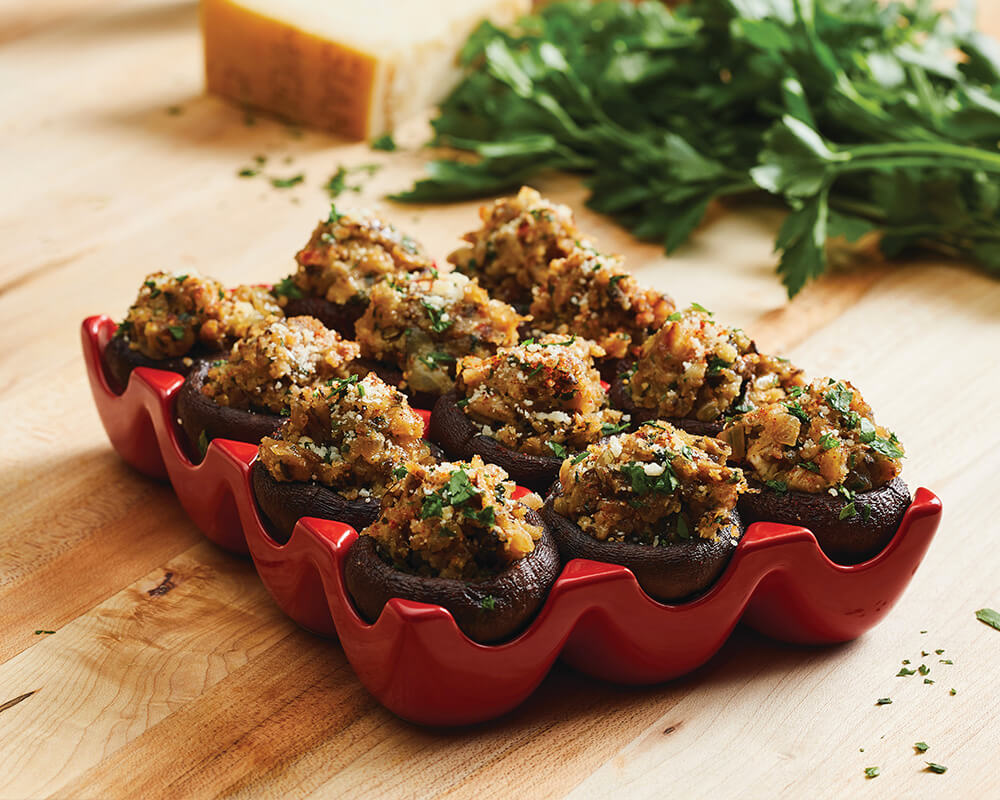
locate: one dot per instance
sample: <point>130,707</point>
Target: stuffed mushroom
<point>453,535</point>
<point>247,395</point>
<point>820,460</point>
<point>345,257</point>
<point>178,319</point>
<point>659,501</point>
<point>343,444</point>
<point>526,407</point>
<point>695,371</point>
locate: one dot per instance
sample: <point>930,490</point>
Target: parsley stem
<point>920,154</point>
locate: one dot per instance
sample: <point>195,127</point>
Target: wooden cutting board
<point>137,660</point>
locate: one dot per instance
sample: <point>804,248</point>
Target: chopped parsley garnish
<point>700,307</point>
<point>867,431</point>
<point>872,772</point>
<point>940,769</point>
<point>558,449</point>
<point>287,183</point>
<point>828,441</point>
<point>795,391</point>
<point>458,492</point>
<point>886,447</point>
<point>809,465</point>
<point>923,669</point>
<point>928,680</point>
<point>248,172</point>
<point>847,511</point>
<point>921,747</point>
<point>989,616</point>
<point>642,484</point>
<point>883,701</point>
<point>438,316</point>
<point>579,457</point>
<point>177,331</point>
<point>399,472</point>
<point>607,429</point>
<point>334,216</point>
<point>488,603</point>
<point>945,661</point>
<point>778,486</point>
<point>435,359</point>
<point>613,281</point>
<point>40,632</point>
<point>287,288</point>
<point>796,410</point>
<point>716,364</point>
<point>952,692</point>
<point>839,398</point>
<point>385,142</point>
<point>675,317</point>
<point>341,385</point>
<point>904,672</point>
<point>462,403</point>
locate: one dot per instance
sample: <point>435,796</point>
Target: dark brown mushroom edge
<point>526,408</point>
<point>453,535</point>
<point>346,255</point>
<point>422,323</point>
<point>695,372</point>
<point>820,461</point>
<point>342,445</point>
<point>247,395</point>
<point>179,320</point>
<point>659,501</point>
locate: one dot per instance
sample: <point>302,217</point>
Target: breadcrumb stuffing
<point>453,520</point>
<point>656,486</point>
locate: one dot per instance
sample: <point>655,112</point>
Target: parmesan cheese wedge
<point>355,67</point>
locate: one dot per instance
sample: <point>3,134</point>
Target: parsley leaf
<point>384,142</point>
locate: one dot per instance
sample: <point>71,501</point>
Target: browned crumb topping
<point>693,367</point>
<point>542,397</point>
<point>174,313</point>
<point>822,438</point>
<point>519,236</point>
<point>592,295</point>
<point>424,322</point>
<point>453,520</point>
<point>655,486</point>
<point>347,254</point>
<point>354,436</point>
<point>262,370</point>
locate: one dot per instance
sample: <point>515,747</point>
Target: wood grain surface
<point>137,660</point>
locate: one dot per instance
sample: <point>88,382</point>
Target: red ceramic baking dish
<point>417,662</point>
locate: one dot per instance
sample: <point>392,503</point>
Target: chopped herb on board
<point>921,747</point>
<point>338,182</point>
<point>248,172</point>
<point>940,769</point>
<point>40,632</point>
<point>872,772</point>
<point>384,142</point>
<point>904,672</point>
<point>883,701</point>
<point>287,183</point>
<point>989,616</point>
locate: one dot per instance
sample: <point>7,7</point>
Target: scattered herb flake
<point>883,701</point>
<point>989,616</point>
<point>385,142</point>
<point>488,603</point>
<point>921,747</point>
<point>872,772</point>
<point>287,183</point>
<point>40,632</point>
<point>940,769</point>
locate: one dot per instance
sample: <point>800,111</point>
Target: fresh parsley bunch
<point>857,115</point>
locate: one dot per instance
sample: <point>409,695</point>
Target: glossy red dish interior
<point>414,658</point>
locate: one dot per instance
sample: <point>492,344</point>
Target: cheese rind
<point>355,68</point>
